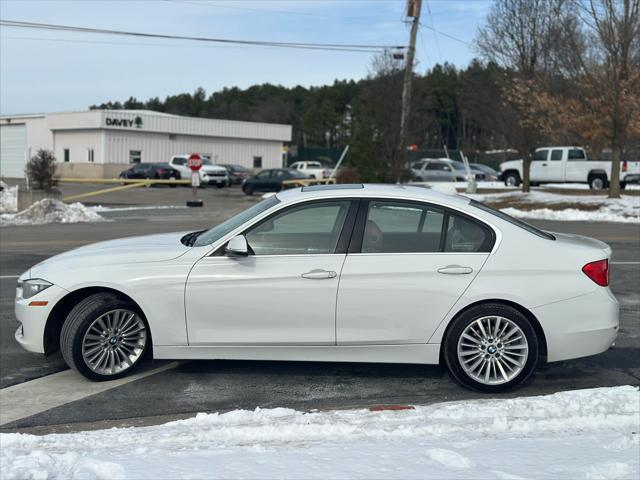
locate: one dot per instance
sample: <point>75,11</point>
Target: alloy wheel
<point>492,350</point>
<point>114,342</point>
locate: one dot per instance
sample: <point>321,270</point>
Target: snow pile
<point>51,211</point>
<point>579,434</point>
<point>554,206</point>
<point>8,198</point>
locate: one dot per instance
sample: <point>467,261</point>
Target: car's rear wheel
<point>248,189</point>
<point>491,348</point>
<point>104,337</point>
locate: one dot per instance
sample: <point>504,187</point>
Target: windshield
<point>513,221</point>
<point>216,233</point>
<point>206,161</point>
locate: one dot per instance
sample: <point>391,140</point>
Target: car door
<point>284,292</point>
<point>407,265</point>
<point>262,179</point>
<point>539,165</point>
<point>554,170</point>
<point>138,171</point>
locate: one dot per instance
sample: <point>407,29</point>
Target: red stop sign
<point>194,162</point>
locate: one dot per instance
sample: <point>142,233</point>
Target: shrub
<point>41,170</point>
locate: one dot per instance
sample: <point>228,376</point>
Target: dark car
<point>271,180</point>
<point>237,173</point>
<point>154,171</point>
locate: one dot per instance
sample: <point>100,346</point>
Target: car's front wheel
<point>104,337</point>
<point>491,348</point>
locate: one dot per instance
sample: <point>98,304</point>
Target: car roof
<point>404,192</point>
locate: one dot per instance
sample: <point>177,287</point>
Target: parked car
<point>270,180</point>
<point>568,165</point>
<point>484,172</point>
<point>439,170</point>
<point>312,168</point>
<point>336,273</point>
<point>210,173</point>
<point>237,173</point>
<point>155,171</point>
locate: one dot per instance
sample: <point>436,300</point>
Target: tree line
<point>548,72</point>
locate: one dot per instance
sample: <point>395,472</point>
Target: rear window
<point>513,221</point>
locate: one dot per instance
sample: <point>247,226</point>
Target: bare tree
<point>522,36</point>
<point>606,65</point>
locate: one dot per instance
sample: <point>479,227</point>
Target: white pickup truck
<point>210,173</point>
<point>314,169</point>
<point>568,165</point>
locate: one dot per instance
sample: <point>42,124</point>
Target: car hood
<point>213,168</point>
<point>148,248</point>
<point>510,164</point>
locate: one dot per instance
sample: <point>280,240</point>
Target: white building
<point>101,143</point>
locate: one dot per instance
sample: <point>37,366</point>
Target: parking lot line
<point>625,263</point>
<point>42,394</point>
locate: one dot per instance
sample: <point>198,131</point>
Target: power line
<point>299,45</point>
<point>428,27</point>
<point>162,45</point>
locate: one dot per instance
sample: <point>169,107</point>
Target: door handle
<point>319,274</point>
<point>455,270</point>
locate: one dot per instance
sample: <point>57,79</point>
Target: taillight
<point>162,171</point>
<point>598,272</point>
<point>625,166</point>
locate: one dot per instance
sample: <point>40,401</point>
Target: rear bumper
<point>581,326</point>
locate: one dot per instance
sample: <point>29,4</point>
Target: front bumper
<point>33,319</point>
<point>581,326</point>
<point>632,178</point>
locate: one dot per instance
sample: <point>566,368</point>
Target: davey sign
<point>124,122</point>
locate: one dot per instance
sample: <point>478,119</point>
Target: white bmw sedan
<point>343,273</point>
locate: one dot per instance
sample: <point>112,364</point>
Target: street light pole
<point>413,10</point>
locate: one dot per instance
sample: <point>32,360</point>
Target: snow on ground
<point>8,198</point>
<point>540,205</point>
<point>51,211</point>
<point>586,434</point>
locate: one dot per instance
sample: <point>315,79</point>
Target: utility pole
<point>413,11</point>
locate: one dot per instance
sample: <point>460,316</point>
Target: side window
<point>179,161</point>
<point>397,227</point>
<point>263,175</point>
<point>576,154</point>
<point>556,154</point>
<point>541,155</point>
<point>467,235</point>
<point>308,229</point>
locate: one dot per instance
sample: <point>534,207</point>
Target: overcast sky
<point>44,71</point>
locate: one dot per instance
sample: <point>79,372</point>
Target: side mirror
<point>237,247</point>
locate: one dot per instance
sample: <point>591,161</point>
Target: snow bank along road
<point>577,434</point>
<point>191,387</point>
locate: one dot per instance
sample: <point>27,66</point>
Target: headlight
<point>31,287</point>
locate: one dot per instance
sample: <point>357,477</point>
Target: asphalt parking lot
<point>185,388</point>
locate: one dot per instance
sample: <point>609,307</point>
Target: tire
<point>623,185</point>
<point>598,182</point>
<point>248,189</point>
<point>512,179</point>
<point>220,185</point>
<point>110,310</point>
<point>455,349</point>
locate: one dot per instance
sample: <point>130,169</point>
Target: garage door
<point>13,146</point>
